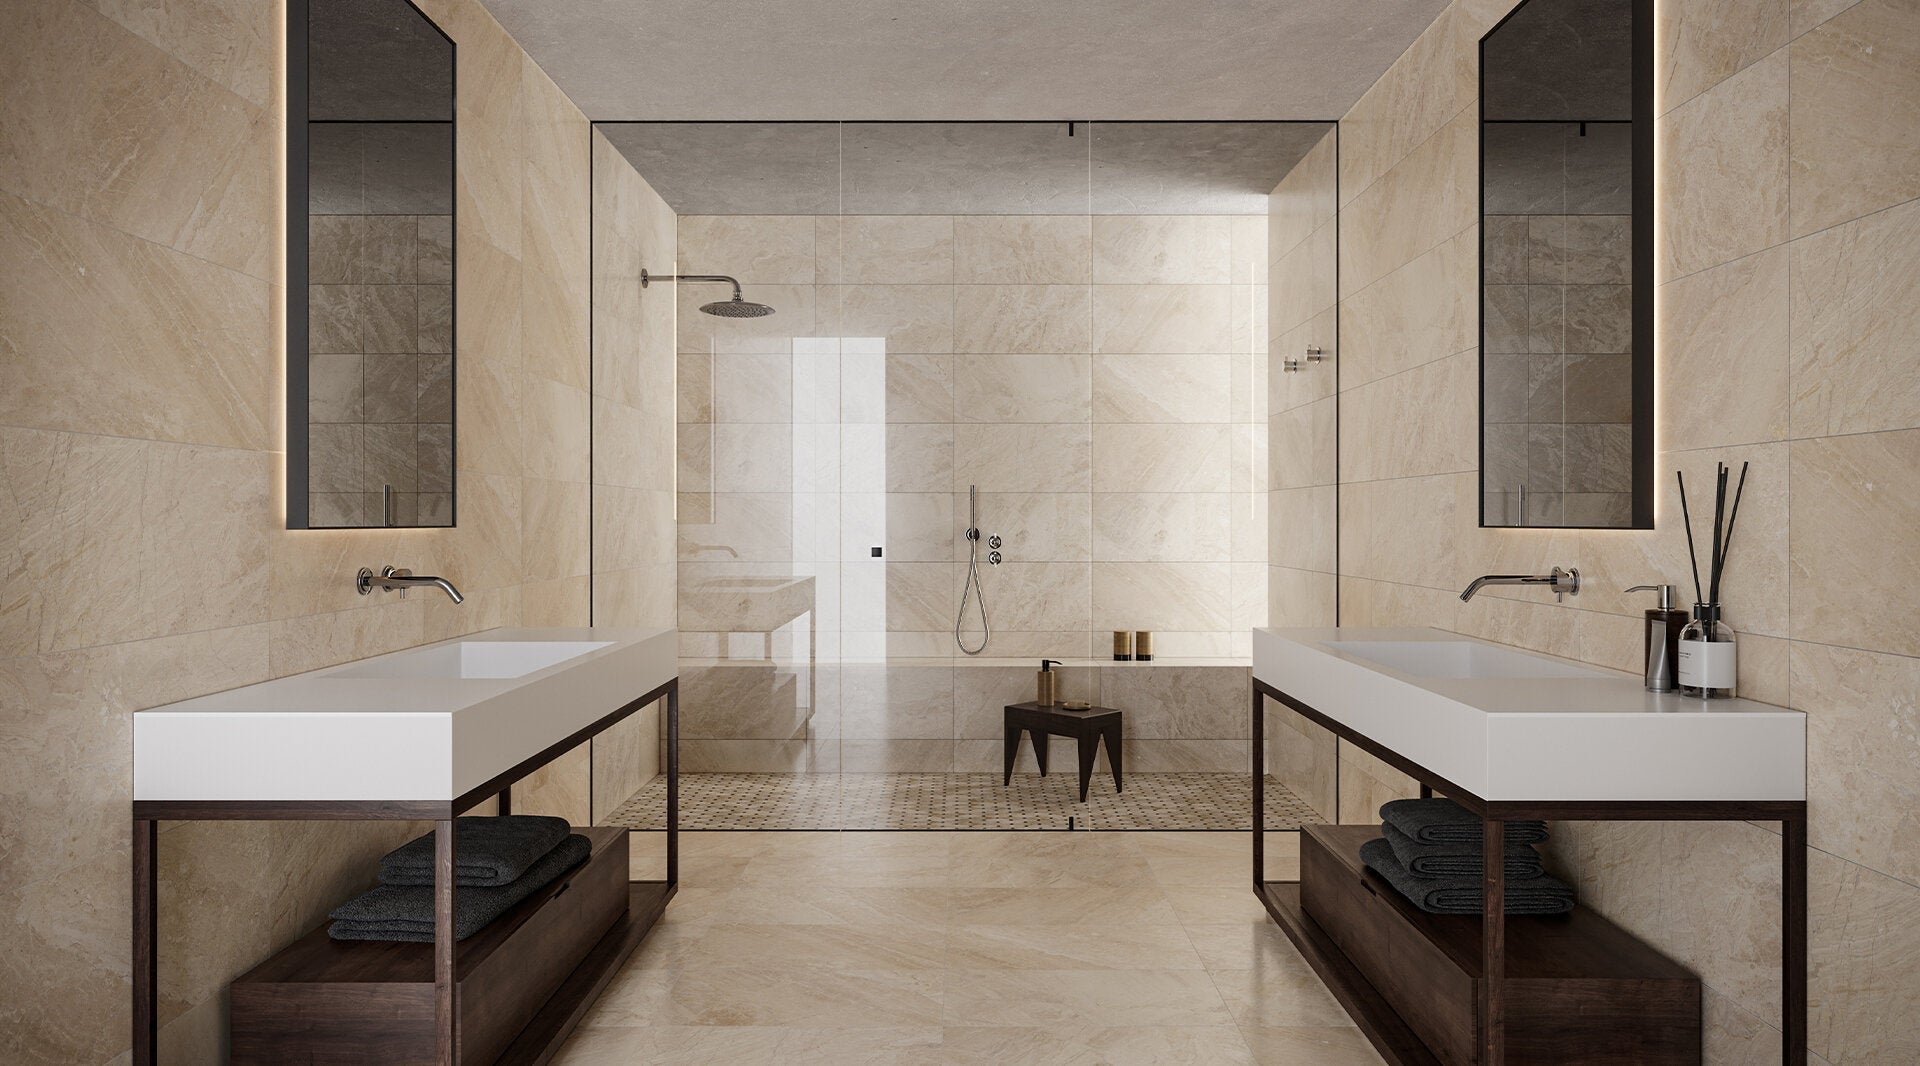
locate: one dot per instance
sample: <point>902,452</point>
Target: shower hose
<point>972,587</point>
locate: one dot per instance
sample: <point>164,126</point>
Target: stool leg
<point>1040,748</point>
<point>1011,752</point>
<point>1113,756</point>
<point>1089,747</point>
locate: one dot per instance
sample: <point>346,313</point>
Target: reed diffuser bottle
<point>1707,657</point>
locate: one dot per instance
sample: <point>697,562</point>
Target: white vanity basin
<point>1457,658</point>
<point>1506,724</point>
<point>472,659</point>
<point>428,723</point>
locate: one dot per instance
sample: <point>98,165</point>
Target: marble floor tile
<point>995,947</point>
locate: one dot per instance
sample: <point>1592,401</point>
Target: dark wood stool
<point>1088,727</point>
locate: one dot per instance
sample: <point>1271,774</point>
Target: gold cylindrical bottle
<point>1122,645</point>
<point>1143,646</point>
<point>1046,689</point>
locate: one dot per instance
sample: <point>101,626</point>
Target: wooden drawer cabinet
<point>1580,990</point>
<point>323,1001</point>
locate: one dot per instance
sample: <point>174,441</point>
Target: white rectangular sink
<point>473,659</point>
<point>428,723</point>
<point>1457,659</point>
<point>1506,724</point>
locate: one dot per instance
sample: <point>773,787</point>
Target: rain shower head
<point>734,308</point>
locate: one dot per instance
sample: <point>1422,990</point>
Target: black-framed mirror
<point>1566,266</point>
<point>370,266</point>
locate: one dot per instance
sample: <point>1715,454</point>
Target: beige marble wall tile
<point>1703,42</point>
<point>920,388</point>
<point>1806,14</point>
<point>1298,597</point>
<point>1023,388</point>
<point>1864,958</point>
<point>757,249</point>
<point>63,591</point>
<point>1724,350</point>
<point>1724,192</point>
<point>1162,458</point>
<point>999,458</point>
<point>1305,199</point>
<point>1856,79</point>
<point>883,701</point>
<point>1420,312</point>
<point>1023,249</point>
<point>1178,319</point>
<point>1856,292</point>
<point>1199,702</point>
<point>1161,527</point>
<point>1853,496</point>
<point>1162,388</point>
<point>1162,596</point>
<point>1418,422</point>
<point>911,318</point>
<point>896,250</point>
<point>80,370</point>
<point>1036,526</point>
<point>1162,250</point>
<point>1427,197</point>
<point>1034,597</point>
<point>1428,86</point>
<point>1021,319</point>
<point>1860,744</point>
<point>1300,528</point>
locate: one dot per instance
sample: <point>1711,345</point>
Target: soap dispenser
<point>1046,686</point>
<point>1664,624</point>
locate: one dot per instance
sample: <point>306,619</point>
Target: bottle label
<point>1706,664</point>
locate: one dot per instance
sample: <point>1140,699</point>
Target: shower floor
<point>1152,801</point>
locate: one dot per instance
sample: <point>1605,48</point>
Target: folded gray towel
<point>487,852</point>
<point>405,912</point>
<point>1462,895</point>
<point>1457,860</point>
<point>1442,821</point>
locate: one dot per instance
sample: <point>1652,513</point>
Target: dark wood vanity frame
<point>1390,1034</point>
<point>555,1021</point>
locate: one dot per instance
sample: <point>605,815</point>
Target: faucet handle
<point>1565,583</point>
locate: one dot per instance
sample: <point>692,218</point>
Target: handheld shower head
<point>734,308</point>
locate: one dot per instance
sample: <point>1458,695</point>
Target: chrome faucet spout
<point>393,578</point>
<point>1563,582</point>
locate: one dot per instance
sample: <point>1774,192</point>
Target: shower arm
<point>645,278</point>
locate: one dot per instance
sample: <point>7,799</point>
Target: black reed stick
<point>1726,544</point>
<point>1687,520</point>
<point>1719,511</point>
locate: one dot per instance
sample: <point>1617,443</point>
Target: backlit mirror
<point>369,266</point>
<point>1566,266</point>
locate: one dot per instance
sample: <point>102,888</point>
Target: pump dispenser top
<point>1046,685</point>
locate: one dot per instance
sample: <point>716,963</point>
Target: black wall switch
<point>876,551</point>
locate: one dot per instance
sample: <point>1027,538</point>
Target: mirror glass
<point>1566,335</point>
<point>370,266</point>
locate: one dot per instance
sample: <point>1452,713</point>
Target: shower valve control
<point>994,541</point>
<point>994,558</point>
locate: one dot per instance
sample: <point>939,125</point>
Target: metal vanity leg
<point>1793,940</point>
<point>446,1007</point>
<point>146,954</point>
<point>1259,745</point>
<point>673,782</point>
<point>1493,943</point>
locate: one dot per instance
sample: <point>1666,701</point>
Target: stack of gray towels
<point>497,863</point>
<point>1430,852</point>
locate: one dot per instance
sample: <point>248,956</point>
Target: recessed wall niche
<point>370,236</point>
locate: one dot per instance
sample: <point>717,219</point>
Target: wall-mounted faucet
<point>1564,583</point>
<point>391,578</point>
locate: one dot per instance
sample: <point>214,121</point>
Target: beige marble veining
<point>1022,249</point>
<point>1422,311</point>
<point>1016,319</point>
<point>1162,458</point>
<point>1703,42</point>
<point>1162,250</point>
<point>1856,80</point>
<point>895,249</point>
<point>1161,388</point>
<point>1723,194</point>
<point>1855,289</point>
<point>1168,527</point>
<point>1726,337</point>
<point>1853,494</point>
<point>757,249</point>
<point>1427,197</point>
<point>1023,388</point>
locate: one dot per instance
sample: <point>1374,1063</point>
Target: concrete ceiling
<point>958,168</point>
<point>376,61</point>
<point>770,60</point>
